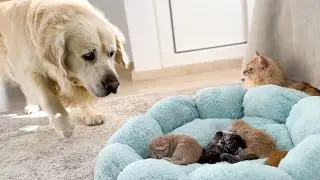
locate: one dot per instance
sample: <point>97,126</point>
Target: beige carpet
<point>26,153</point>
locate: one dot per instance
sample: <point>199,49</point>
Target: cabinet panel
<point>196,31</point>
<point>201,24</point>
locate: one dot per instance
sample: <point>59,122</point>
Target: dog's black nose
<point>111,83</point>
<point>113,86</point>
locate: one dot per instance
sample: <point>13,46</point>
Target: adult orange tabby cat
<point>262,70</point>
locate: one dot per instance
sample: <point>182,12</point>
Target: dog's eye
<point>89,56</point>
<point>111,54</point>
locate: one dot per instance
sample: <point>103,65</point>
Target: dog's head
<point>86,49</point>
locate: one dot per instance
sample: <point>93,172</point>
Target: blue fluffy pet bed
<point>291,117</point>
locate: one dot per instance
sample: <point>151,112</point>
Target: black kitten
<point>225,146</point>
<point>212,155</point>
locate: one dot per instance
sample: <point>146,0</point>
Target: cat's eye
<point>112,53</point>
<point>91,56</point>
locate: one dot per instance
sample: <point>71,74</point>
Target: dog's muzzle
<point>110,84</point>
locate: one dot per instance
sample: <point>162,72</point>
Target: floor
<point>127,87</point>
<point>30,149</point>
<point>185,82</point>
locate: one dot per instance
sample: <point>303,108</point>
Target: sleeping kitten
<point>225,146</point>
<point>258,142</point>
<point>179,149</point>
<point>262,70</point>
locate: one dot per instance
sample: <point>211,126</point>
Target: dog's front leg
<point>91,116</point>
<point>49,101</point>
<point>32,106</point>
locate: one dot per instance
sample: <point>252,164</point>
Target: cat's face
<point>231,142</point>
<point>262,70</point>
<point>254,67</point>
<point>159,148</point>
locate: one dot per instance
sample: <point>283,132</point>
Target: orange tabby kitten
<point>179,149</point>
<point>258,142</point>
<point>275,158</point>
<point>262,70</point>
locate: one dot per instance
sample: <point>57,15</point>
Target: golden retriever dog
<point>62,53</point>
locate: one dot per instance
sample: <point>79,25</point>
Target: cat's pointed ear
<point>263,61</point>
<point>257,54</point>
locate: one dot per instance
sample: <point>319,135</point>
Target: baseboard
<point>187,69</point>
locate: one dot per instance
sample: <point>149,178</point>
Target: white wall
<point>143,31</point>
<point>115,12</point>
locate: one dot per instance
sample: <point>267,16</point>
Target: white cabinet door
<point>193,31</point>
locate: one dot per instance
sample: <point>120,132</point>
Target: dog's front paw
<point>94,120</point>
<point>31,108</point>
<point>63,126</point>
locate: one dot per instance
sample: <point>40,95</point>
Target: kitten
<point>262,70</point>
<point>211,156</point>
<point>275,158</point>
<point>225,146</point>
<point>258,142</point>
<point>179,149</point>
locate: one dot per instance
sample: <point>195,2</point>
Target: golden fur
<point>262,70</point>
<point>304,87</point>
<point>258,142</point>
<point>179,149</point>
<point>42,48</point>
<point>275,158</point>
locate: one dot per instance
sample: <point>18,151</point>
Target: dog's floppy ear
<point>121,57</point>
<point>49,36</point>
<point>54,49</point>
<point>58,50</point>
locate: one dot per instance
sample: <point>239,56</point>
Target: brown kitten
<point>262,70</point>
<point>179,149</point>
<point>258,142</point>
<point>275,158</point>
